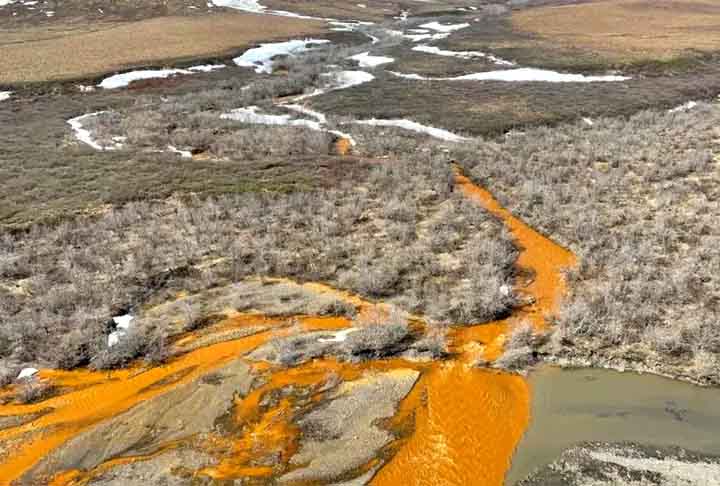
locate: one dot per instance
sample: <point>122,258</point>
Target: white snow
<point>438,27</point>
<point>6,2</point>
<point>461,54</point>
<point>261,57</point>
<point>84,135</point>
<point>4,95</point>
<point>124,79</point>
<point>206,68</point>
<point>588,121</point>
<point>26,373</point>
<point>365,60</point>
<point>684,107</point>
<point>251,115</point>
<point>245,5</point>
<point>339,336</point>
<point>123,322</point>
<point>347,79</point>
<point>122,326</point>
<point>426,37</point>
<point>415,127</point>
<point>521,75</point>
<point>534,74</point>
<point>185,154</point>
<point>114,338</point>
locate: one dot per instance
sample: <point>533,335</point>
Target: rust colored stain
<point>342,146</point>
<point>101,396</point>
<point>459,425</point>
<point>467,425</point>
<point>468,421</point>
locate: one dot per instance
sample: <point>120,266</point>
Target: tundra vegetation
<point>401,235</point>
<point>636,199</point>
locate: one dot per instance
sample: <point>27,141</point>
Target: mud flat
<point>570,407</point>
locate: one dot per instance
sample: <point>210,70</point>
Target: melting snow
<point>185,154</point>
<point>4,95</point>
<point>123,322</point>
<point>461,54</point>
<point>365,60</point>
<point>124,79</point>
<point>122,326</point>
<point>339,336</point>
<point>261,57</point>
<point>684,107</point>
<point>415,127</point>
<point>84,135</point>
<point>425,37</point>
<point>438,27</point>
<point>26,373</point>
<point>347,79</point>
<point>521,75</point>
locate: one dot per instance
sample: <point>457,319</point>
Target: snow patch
<point>122,326</point>
<point>124,79</point>
<point>684,107</point>
<point>5,95</point>
<point>521,75</point>
<point>426,37</point>
<point>447,28</point>
<point>26,373</point>
<point>84,135</point>
<point>365,60</point>
<point>260,58</point>
<point>185,154</point>
<point>6,2</point>
<point>339,336</point>
<point>415,127</point>
<point>461,54</point>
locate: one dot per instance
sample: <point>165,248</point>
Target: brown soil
<point>35,56</point>
<point>629,29</point>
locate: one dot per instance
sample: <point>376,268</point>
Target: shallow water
<point>572,406</point>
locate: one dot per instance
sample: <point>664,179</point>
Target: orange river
<point>464,421</point>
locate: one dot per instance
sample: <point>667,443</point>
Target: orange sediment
<point>539,256</point>
<point>465,432</point>
<point>472,419</point>
<point>466,421</point>
<point>106,395</point>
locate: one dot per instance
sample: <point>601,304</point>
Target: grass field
<point>31,56</point>
<point>629,30</point>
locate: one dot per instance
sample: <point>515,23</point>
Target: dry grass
<point>629,29</point>
<point>37,58</point>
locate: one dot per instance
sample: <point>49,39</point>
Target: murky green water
<point>571,406</point>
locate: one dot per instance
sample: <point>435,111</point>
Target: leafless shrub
<point>520,347</point>
<point>34,390</point>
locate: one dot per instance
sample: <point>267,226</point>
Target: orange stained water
<point>101,395</point>
<point>467,421</point>
<point>539,256</point>
<point>465,431</point>
<point>471,420</point>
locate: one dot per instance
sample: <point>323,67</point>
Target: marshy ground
<point>332,259</point>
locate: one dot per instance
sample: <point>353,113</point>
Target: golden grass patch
<point>629,29</point>
<point>40,55</point>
